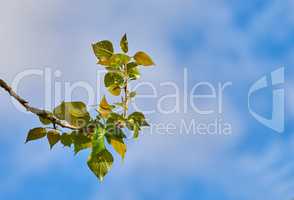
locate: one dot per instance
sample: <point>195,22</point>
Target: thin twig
<point>36,111</point>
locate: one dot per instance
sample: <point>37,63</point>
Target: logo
<point>277,121</point>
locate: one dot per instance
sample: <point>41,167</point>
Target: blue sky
<point>215,41</point>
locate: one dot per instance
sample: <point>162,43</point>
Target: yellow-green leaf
<point>104,61</point>
<point>143,59</point>
<point>44,120</point>
<point>131,65</point>
<point>113,78</point>
<point>80,147</point>
<point>100,163</point>
<point>36,133</point>
<point>103,49</point>
<point>119,146</point>
<point>74,113</point>
<point>104,104</point>
<point>137,117</point>
<point>66,140</point>
<point>134,73</point>
<point>81,141</point>
<point>53,137</point>
<point>119,59</point>
<point>114,90</point>
<point>124,44</point>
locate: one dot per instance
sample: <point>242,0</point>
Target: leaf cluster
<point>112,121</point>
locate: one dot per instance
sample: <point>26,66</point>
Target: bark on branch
<point>36,111</point>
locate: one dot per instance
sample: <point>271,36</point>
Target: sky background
<point>215,41</point>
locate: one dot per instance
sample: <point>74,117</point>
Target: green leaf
<point>112,78</point>
<point>119,60</point>
<point>135,121</point>
<point>53,137</point>
<point>36,133</point>
<point>136,130</point>
<point>66,140</point>
<point>116,117</point>
<point>119,146</point>
<point>74,113</point>
<point>101,163</point>
<point>124,44</point>
<point>115,120</point>
<point>115,90</point>
<point>44,120</point>
<point>98,140</point>
<point>103,50</point>
<point>80,147</point>
<point>143,59</point>
<point>76,109</point>
<point>131,65</point>
<point>134,73</point>
<point>104,61</point>
<point>137,117</point>
<point>113,82</point>
<point>114,131</point>
<point>81,141</point>
<point>132,94</point>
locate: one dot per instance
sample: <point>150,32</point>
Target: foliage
<point>112,121</point>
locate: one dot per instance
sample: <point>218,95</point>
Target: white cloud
<point>58,35</point>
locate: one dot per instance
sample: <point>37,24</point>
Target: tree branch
<point>36,111</point>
